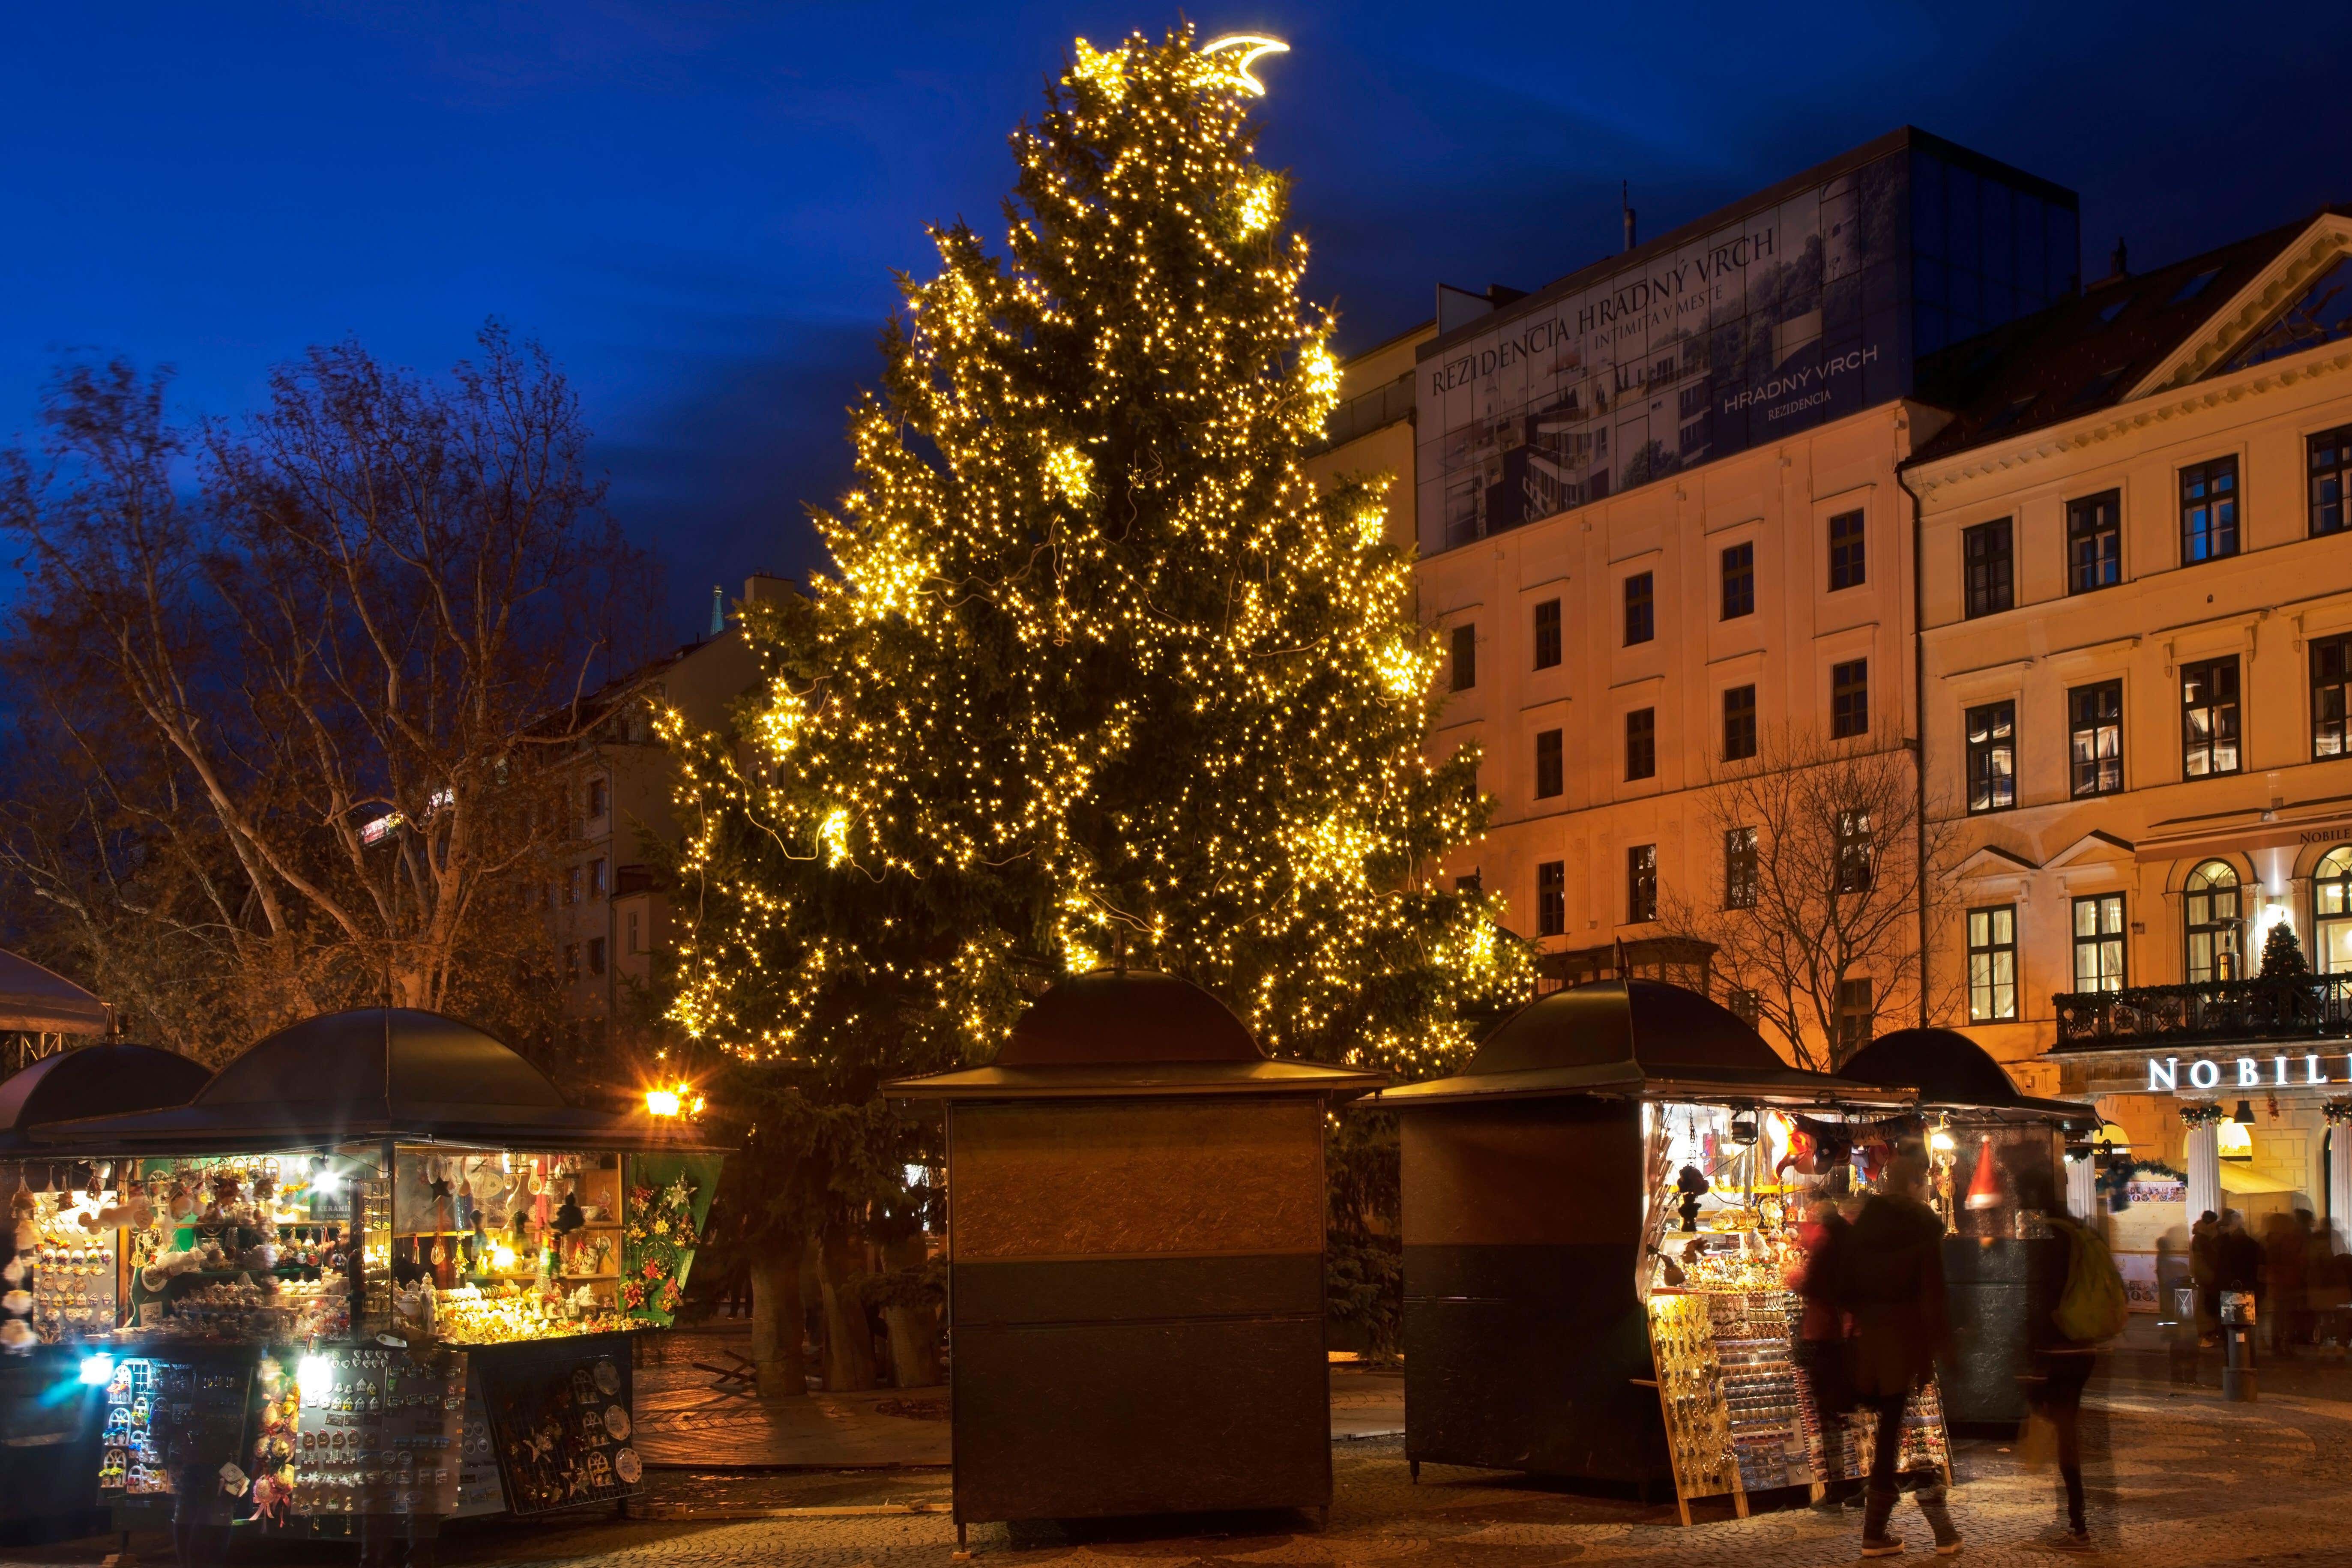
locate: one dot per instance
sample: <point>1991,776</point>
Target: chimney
<point>2116,266</point>
<point>717,609</point>
<point>765,588</point>
<point>1625,200</point>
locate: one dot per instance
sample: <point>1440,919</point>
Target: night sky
<point>698,207</point>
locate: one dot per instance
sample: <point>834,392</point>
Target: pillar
<point>2082,1190</point>
<point>2204,1157</point>
<point>2339,1186</point>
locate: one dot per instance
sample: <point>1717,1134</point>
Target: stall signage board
<point>2210,1075</point>
<point>559,1418</point>
<point>377,1433</point>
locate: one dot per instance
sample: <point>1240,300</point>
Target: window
<point>1549,770</point>
<point>571,961</point>
<point>1739,868</point>
<point>2331,909</point>
<point>1985,564</point>
<point>1739,723</point>
<point>596,955</point>
<point>1992,757</point>
<point>637,941</point>
<point>2209,912</point>
<point>1746,1004</point>
<point>1846,551</point>
<point>1857,1015</point>
<point>571,886</point>
<point>2331,480</point>
<point>1641,743</point>
<point>2096,743</point>
<point>1850,699</point>
<point>1465,658</point>
<point>2099,943</point>
<point>2095,543</point>
<point>2331,696</point>
<point>1855,851</point>
<point>1738,582</point>
<point>1469,886</point>
<point>597,799</point>
<point>1641,884</point>
<point>595,879</point>
<point>1547,634</point>
<point>1992,963</point>
<point>2208,718</point>
<point>2209,510</point>
<point>1639,623</point>
<point>1551,897</point>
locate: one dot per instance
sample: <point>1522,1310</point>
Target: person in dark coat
<point>1820,1346</point>
<point>2061,1368</point>
<point>2205,1273</point>
<point>1894,1289</point>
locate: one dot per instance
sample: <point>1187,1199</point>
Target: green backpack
<point>2093,1307</point>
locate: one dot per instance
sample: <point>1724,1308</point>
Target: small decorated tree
<point>2283,955</point>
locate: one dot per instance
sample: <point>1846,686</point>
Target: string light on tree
<point>1101,671</point>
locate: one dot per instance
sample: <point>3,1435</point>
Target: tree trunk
<point>780,1366</point>
<point>914,1345</point>
<point>848,1343</point>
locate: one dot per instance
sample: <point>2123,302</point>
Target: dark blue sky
<point>697,206</point>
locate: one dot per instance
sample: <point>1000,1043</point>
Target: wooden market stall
<point>1135,1221</point>
<point>1598,1211</point>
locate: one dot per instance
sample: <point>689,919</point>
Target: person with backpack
<point>1893,1274</point>
<point>2092,1308</point>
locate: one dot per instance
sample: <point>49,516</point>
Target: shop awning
<point>364,1077</point>
<point>1636,1037</point>
<point>1952,1072</point>
<point>2243,1177</point>
<point>93,1080</point>
<point>37,1001</point>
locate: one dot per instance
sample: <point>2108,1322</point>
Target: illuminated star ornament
<point>1246,49</point>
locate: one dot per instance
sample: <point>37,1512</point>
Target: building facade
<point>1659,521</point>
<point>2136,643</point>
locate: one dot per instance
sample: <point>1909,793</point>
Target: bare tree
<point>292,679</point>
<point>1821,862</point>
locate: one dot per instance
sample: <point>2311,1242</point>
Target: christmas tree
<point>1102,671</point>
<point>2283,955</point>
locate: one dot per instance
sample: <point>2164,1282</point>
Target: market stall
<point>2002,1267</point>
<point>1599,1211</point>
<point>377,1273</point>
<point>58,1275</point>
<point>1135,1225</point>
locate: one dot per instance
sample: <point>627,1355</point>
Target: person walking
<point>2283,1247</point>
<point>1821,1347</point>
<point>1893,1279</point>
<point>2205,1274</point>
<point>2091,1309</point>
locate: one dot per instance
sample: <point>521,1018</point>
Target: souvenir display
<point>170,1423</point>
<point>371,1432</point>
<point>561,1429</point>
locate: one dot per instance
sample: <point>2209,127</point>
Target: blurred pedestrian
<point>2205,1274</point>
<point>2283,1279</point>
<point>1821,1347</point>
<point>1893,1285</point>
<point>2066,1340</point>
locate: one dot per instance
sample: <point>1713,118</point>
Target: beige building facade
<point>2136,642</point>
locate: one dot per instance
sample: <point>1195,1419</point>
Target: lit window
<point>2208,718</point>
<point>2099,943</point>
<point>1739,868</point>
<point>1856,850</point>
<point>1641,884</point>
<point>2209,510</point>
<point>2331,696</point>
<point>1992,757</point>
<point>2095,543</point>
<point>2331,908</point>
<point>2096,741</point>
<point>2331,480</point>
<point>2209,912</point>
<point>1992,963</point>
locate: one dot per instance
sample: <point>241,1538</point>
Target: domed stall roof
<point>1121,1032</point>
<point>93,1080</point>
<point>370,1073</point>
<point>1952,1071</point>
<point>1632,1037</point>
<point>39,1001</point>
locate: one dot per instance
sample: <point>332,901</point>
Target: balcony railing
<point>2316,1006</point>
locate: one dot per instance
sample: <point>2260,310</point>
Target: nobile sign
<point>2309,1070</point>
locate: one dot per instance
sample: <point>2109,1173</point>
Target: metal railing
<point>2314,1007</point>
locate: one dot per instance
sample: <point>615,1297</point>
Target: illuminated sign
<point>2167,1074</point>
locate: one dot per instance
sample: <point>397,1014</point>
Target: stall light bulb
<point>1941,1141</point>
<point>96,1368</point>
<point>502,1258</point>
<point>325,1182</point>
<point>315,1373</point>
<point>661,1102</point>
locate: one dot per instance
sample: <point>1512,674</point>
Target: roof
<point>1633,1038</point>
<point>1951,1070</point>
<point>1127,1032</point>
<point>368,1074</point>
<point>35,999</point>
<point>94,1080</point>
<point>2086,353</point>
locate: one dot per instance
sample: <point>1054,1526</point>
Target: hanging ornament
<point>1984,1187</point>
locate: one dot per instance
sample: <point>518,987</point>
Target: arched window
<point>2213,924</point>
<point>2331,911</point>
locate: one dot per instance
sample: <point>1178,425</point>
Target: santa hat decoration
<point>1984,1187</point>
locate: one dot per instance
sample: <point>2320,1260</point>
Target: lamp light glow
<point>662,1101</point>
<point>97,1368</point>
<point>2233,1140</point>
<point>315,1373</point>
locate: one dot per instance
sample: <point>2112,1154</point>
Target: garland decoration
<point>2338,1111</point>
<point>2207,1114</point>
<point>657,1249</point>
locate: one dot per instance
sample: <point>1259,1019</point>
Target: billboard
<point>1783,316</point>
